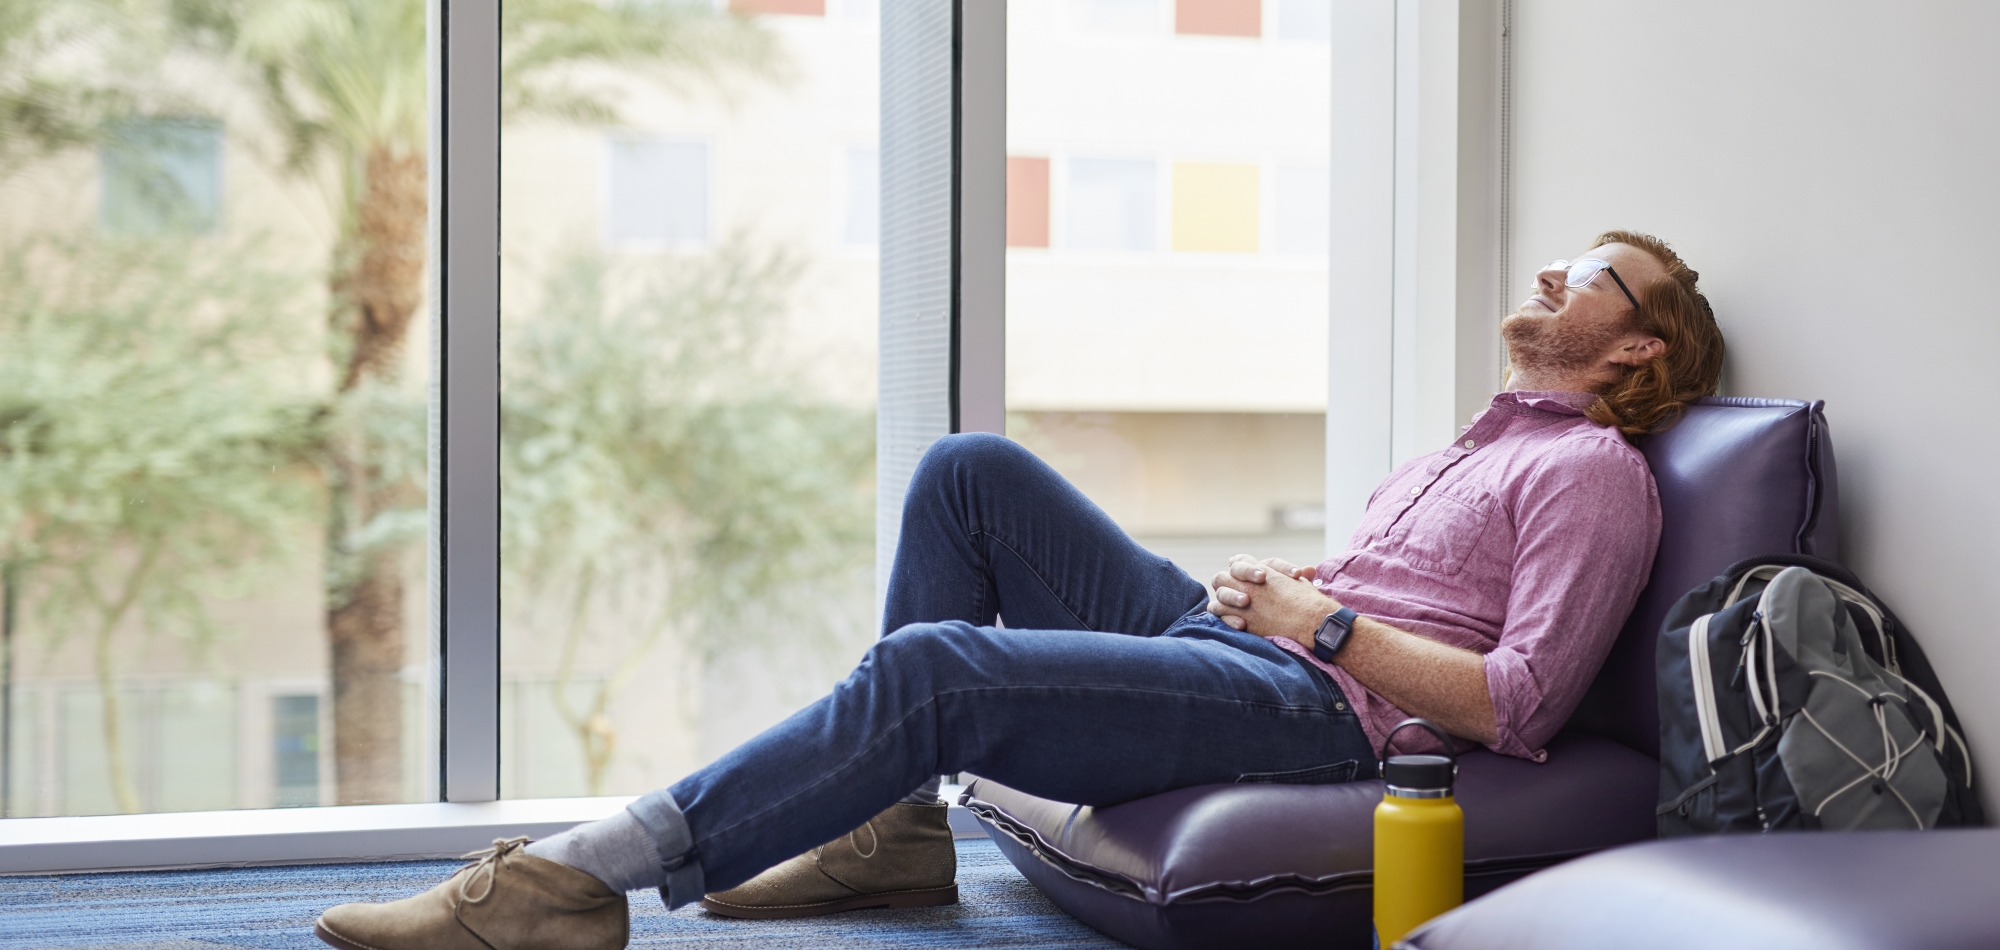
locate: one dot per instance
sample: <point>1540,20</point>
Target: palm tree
<point>345,82</point>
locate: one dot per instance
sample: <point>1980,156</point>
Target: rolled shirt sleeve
<point>1587,523</point>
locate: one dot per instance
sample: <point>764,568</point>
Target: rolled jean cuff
<point>681,878</point>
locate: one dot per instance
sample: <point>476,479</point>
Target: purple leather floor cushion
<point>1880,890</point>
<point>1282,866</point>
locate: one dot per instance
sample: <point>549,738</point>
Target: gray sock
<point>617,850</point>
<point>926,794</point>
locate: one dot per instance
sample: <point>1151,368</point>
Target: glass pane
<point>213,378</point>
<point>687,379</point>
<point>1167,235</point>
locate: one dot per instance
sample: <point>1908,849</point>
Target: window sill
<point>210,839</point>
<point>283,835</point>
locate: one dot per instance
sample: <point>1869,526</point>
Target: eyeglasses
<point>1579,275</point>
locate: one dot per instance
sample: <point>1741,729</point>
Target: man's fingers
<point>1235,622</point>
<point>1229,596</point>
<point>1279,565</point>
<point>1250,571</point>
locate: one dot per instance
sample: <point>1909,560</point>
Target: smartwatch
<point>1333,633</point>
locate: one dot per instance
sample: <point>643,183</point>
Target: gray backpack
<point>1790,697</point>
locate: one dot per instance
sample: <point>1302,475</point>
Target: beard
<point>1554,346</point>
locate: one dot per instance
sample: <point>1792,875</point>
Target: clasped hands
<point>1270,598</point>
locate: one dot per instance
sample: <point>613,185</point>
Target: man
<point>1482,590</point>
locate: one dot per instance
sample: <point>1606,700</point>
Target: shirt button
<point>1418,490</point>
<point>1340,707</point>
<point>1470,444</point>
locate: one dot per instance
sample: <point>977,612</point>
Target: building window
<point>1219,17</point>
<point>1303,217</point>
<point>1116,16</point>
<point>162,176</point>
<point>1027,201</point>
<point>1308,20</point>
<point>657,195</point>
<point>864,203</point>
<point>1215,207</point>
<point>1111,205</point>
<point>295,750</point>
<point>857,11</point>
<point>793,7</point>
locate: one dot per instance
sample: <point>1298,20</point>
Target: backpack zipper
<point>1712,747</point>
<point>1819,486</point>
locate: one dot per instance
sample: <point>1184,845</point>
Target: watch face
<point>1326,640</point>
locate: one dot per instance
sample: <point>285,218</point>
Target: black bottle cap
<point>1420,772</point>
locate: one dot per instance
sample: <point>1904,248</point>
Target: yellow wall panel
<point>1215,207</point>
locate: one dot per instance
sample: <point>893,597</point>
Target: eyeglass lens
<point>1580,273</point>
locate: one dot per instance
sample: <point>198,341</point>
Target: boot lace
<point>485,864</point>
<point>874,841</point>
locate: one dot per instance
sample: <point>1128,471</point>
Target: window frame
<point>464,572</point>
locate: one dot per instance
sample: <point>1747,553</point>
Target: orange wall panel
<point>1027,202</point>
<point>795,7</point>
<point>1219,17</point>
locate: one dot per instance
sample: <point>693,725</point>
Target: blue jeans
<point>1110,682</point>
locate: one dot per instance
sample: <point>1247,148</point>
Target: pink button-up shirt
<point>1527,541</point>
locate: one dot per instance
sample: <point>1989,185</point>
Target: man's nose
<point>1549,283</point>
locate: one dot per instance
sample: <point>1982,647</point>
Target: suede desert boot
<point>503,900</point>
<point>902,857</point>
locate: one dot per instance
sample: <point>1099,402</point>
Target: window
<point>1303,222</point>
<point>792,7</point>
<point>1215,207</point>
<point>213,558</point>
<point>687,424</point>
<point>1309,20</point>
<point>1183,390</point>
<point>1114,16</point>
<point>162,176</point>
<point>857,11</point>
<point>864,198</point>
<point>1111,204</point>
<point>687,354</point>
<point>1219,17</point>
<point>657,196</point>
<point>1027,201</point>
<point>295,750</point>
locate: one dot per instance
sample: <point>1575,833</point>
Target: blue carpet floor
<point>275,907</point>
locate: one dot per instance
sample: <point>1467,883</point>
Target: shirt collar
<point>1560,402</point>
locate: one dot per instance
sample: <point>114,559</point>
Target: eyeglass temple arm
<point>1613,271</point>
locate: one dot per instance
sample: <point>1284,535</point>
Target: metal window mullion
<point>914,403</point>
<point>465,403</point>
<point>1362,279</point>
<point>980,284</point>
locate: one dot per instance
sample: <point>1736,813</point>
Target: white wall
<point>1832,168</point>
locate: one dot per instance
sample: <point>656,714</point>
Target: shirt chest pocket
<point>1440,531</point>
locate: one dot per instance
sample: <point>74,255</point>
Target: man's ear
<point>1636,350</point>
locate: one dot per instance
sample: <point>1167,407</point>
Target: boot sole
<point>320,931</point>
<point>891,900</point>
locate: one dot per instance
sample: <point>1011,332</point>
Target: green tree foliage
<point>171,418</point>
<point>659,450</point>
<point>151,436</point>
<point>62,69</point>
<point>346,81</point>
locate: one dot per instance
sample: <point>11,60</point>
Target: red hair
<point>1651,397</point>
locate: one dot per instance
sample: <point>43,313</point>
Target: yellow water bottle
<point>1419,839</point>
